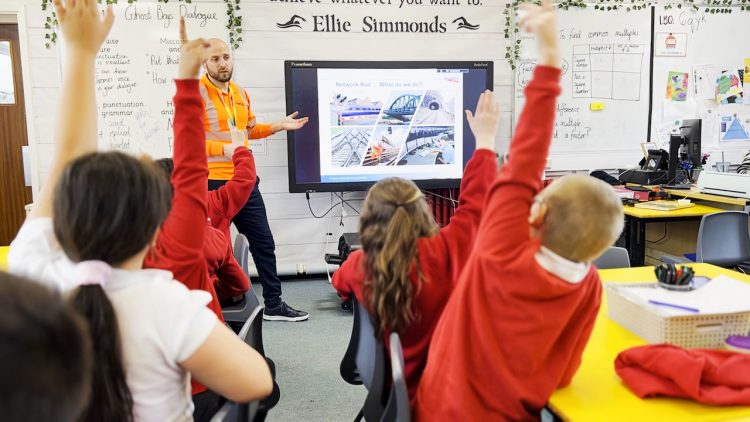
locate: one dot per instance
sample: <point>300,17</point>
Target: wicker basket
<point>703,331</point>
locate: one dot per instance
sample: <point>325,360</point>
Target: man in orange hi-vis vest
<point>229,123</point>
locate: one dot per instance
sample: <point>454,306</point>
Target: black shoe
<point>284,312</point>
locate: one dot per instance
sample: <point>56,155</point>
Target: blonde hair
<point>394,216</point>
<point>584,217</point>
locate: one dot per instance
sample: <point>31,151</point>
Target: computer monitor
<point>372,120</point>
<point>691,133</point>
<point>690,136</point>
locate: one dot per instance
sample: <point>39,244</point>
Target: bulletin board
<point>699,71</point>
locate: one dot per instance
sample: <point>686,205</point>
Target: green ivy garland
<point>510,31</point>
<point>234,22</point>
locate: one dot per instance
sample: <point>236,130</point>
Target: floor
<point>307,356</point>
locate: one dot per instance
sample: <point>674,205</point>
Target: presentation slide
<point>377,123</point>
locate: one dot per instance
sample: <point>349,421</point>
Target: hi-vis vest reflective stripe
<point>216,118</point>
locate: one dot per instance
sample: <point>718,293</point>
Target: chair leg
<point>360,415</point>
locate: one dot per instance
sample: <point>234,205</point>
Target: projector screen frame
<point>295,187</point>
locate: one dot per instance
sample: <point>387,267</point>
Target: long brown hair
<point>107,207</point>
<point>394,216</point>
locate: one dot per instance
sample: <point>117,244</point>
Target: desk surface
<point>695,194</point>
<point>597,394</point>
<point>694,211</point>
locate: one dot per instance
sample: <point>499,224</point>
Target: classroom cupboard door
<point>15,192</point>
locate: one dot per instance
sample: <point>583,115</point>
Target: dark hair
<point>110,399</point>
<point>107,207</point>
<point>394,216</point>
<point>166,167</point>
<point>45,354</point>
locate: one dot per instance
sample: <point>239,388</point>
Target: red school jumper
<point>511,332</point>
<point>441,259</point>
<point>179,245</point>
<point>227,276</point>
<point>223,204</point>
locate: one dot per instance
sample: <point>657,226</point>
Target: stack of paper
<point>662,205</point>
<point>723,295</point>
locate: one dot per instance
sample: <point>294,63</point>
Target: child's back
<point>149,332</point>
<point>394,212</point>
<point>161,323</point>
<point>524,307</point>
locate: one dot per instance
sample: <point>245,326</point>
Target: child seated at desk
<point>407,267</point>
<point>524,307</point>
<point>227,278</point>
<point>149,333</point>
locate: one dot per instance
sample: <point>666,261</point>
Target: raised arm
<point>229,199</point>
<point>84,30</point>
<point>459,235</point>
<point>184,225</point>
<point>505,222</point>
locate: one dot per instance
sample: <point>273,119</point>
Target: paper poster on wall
<point>670,44</point>
<point>258,146</point>
<point>676,111</point>
<point>734,128</point>
<point>662,134</point>
<point>704,77</point>
<point>729,87</point>
<point>746,81</point>
<point>710,123</point>
<point>677,86</point>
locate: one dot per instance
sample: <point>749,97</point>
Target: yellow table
<point>694,194</point>
<point>637,218</point>
<point>694,211</point>
<point>3,258</point>
<point>597,394</point>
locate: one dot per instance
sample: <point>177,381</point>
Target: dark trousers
<point>253,223</point>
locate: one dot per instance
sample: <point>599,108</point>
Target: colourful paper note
<point>729,87</point>
<point>677,86</point>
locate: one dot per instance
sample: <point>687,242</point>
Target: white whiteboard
<point>605,59</point>
<point>136,67</point>
<point>702,45</point>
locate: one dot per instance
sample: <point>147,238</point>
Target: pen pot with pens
<point>672,277</point>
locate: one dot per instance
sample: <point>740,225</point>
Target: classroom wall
<point>300,238</point>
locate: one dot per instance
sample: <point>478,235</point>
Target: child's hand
<point>81,24</point>
<point>192,54</point>
<point>542,22</point>
<point>483,122</point>
<point>231,147</point>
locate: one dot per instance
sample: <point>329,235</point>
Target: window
<point>7,91</point>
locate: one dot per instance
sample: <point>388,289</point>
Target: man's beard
<point>221,77</point>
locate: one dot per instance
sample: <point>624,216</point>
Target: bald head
<point>219,65</point>
<point>218,43</point>
<point>584,217</point>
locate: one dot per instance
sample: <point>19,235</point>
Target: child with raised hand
<point>226,277</point>
<point>408,267</point>
<point>90,231</point>
<point>515,327</point>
